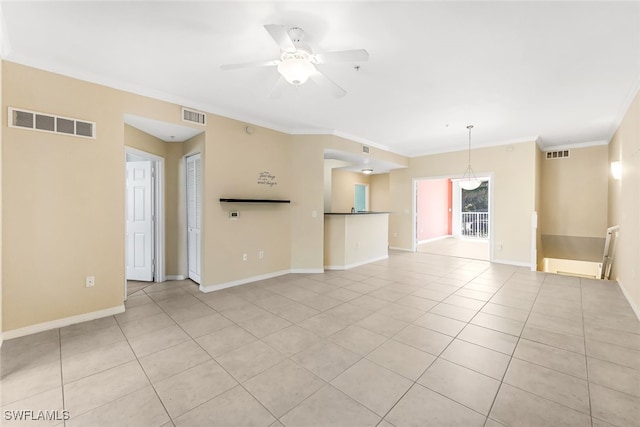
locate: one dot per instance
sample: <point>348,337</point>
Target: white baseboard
<point>400,249</point>
<point>307,270</point>
<point>211,288</point>
<point>178,277</point>
<point>514,263</point>
<point>357,264</point>
<point>626,294</point>
<point>60,323</point>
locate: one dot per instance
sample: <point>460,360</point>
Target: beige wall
<point>175,249</point>
<point>63,212</point>
<point>379,191</point>
<point>624,202</point>
<point>329,165</point>
<point>231,170</point>
<point>513,179</point>
<point>613,194</point>
<point>65,219</point>
<point>538,207</point>
<point>307,202</point>
<point>574,191</point>
<point>343,189</point>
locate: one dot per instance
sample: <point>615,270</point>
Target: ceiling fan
<point>298,62</point>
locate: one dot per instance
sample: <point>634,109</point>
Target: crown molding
<point>624,107</point>
<point>442,150</point>
<point>570,146</point>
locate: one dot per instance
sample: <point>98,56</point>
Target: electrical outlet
<point>245,257</point>
<point>90,281</point>
<point>260,254</point>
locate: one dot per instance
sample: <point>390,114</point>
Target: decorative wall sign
<point>265,178</point>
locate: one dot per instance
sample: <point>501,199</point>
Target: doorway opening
<point>452,221</point>
<point>144,219</point>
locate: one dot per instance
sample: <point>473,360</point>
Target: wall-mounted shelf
<point>254,201</point>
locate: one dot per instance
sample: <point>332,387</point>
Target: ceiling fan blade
<point>353,55</point>
<point>281,37</point>
<point>271,63</point>
<point>325,83</point>
<point>277,90</point>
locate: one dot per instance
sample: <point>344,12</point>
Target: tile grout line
<point>286,357</point>
<point>546,398</point>
<point>586,358</point>
<point>415,382</point>
<point>142,368</point>
<point>530,312</point>
<point>64,403</point>
<point>514,350</point>
<point>212,358</point>
<point>105,370</point>
<point>365,356</point>
<point>362,357</point>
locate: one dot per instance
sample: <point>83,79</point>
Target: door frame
<point>185,202</point>
<point>158,205</point>
<point>483,176</point>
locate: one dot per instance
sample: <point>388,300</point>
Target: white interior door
<point>139,221</point>
<point>194,216</point>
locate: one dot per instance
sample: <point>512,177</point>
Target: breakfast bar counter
<point>354,239</point>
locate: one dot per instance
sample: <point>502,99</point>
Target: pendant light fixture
<point>469,180</point>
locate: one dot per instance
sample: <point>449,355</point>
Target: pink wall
<point>434,208</point>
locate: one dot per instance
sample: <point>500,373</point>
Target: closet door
<point>194,216</point>
<point>139,221</point>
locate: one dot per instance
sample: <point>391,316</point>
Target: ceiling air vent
<point>560,154</point>
<point>365,149</point>
<point>50,123</point>
<point>194,116</point>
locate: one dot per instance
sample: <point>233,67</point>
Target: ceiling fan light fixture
<point>469,179</point>
<point>296,70</point>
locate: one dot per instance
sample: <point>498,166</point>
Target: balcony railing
<point>474,224</point>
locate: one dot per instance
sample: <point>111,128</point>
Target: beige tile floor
<point>417,340</point>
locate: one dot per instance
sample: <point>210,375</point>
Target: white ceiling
<point>562,72</point>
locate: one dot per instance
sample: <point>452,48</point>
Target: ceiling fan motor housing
<point>296,34</point>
